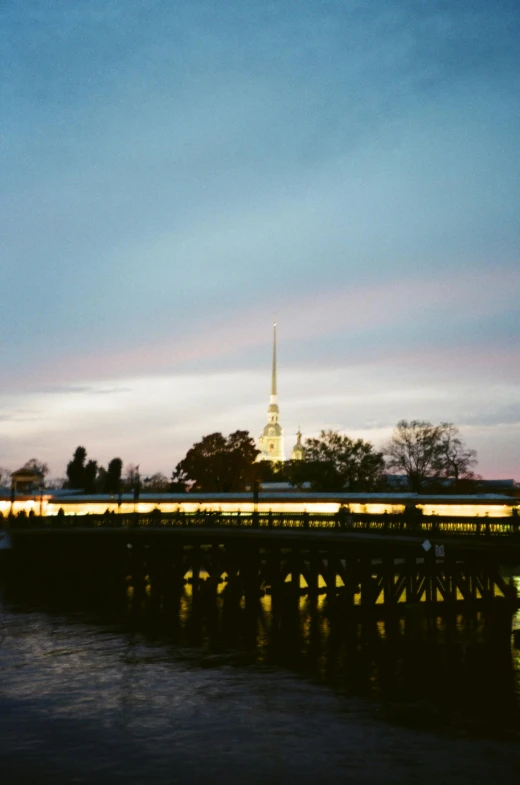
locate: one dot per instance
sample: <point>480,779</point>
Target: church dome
<point>273,429</point>
<point>298,451</point>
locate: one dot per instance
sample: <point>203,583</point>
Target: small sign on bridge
<point>439,549</point>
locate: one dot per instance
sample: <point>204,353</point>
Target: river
<point>96,692</point>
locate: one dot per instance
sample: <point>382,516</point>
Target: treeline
<point>428,457</point>
<point>419,457</point>
<point>91,477</point>
<point>87,475</point>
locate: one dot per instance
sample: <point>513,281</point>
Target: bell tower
<point>270,442</point>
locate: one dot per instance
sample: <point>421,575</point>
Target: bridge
<point>377,563</point>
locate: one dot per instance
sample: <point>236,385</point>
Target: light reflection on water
<point>92,694</point>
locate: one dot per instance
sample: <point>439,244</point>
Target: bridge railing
<point>411,524</point>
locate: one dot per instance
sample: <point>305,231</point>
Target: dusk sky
<point>176,172</point>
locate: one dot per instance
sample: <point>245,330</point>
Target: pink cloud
<point>310,316</point>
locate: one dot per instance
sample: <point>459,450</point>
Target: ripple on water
<point>88,703</point>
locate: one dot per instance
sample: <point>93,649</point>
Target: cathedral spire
<point>273,375</point>
<point>270,442</point>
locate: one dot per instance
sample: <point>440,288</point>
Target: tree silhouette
<point>457,461</point>
<point>39,467</point>
<point>132,477</point>
<point>156,483</point>
<point>424,452</point>
<point>76,469</point>
<point>90,476</point>
<point>218,464</point>
<point>115,468</point>
<point>101,483</point>
<point>335,462</point>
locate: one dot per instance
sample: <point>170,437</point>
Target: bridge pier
<point>389,581</point>
<point>195,561</point>
<point>392,574</point>
<point>137,574</point>
<point>311,575</point>
<point>250,574</point>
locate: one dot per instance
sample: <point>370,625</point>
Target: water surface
<point>91,693</point>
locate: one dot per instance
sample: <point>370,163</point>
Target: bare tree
<point>5,476</point>
<point>156,483</point>
<point>456,459</point>
<point>132,477</point>
<point>414,450</point>
<point>39,467</point>
<point>424,452</point>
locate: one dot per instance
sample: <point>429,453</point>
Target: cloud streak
<point>376,323</point>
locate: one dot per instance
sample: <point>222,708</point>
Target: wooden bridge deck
<point>479,533</point>
<point>375,562</point>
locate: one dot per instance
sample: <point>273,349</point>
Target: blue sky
<point>173,173</point>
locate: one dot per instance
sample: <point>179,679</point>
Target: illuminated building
<point>270,442</point>
<point>49,503</point>
<point>298,451</point>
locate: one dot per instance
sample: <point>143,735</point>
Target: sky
<point>174,173</point>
